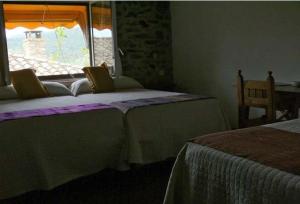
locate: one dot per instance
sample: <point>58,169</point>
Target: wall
<point>211,40</point>
<point>102,51</point>
<point>144,35</point>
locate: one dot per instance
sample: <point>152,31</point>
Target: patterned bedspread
<point>13,115</point>
<point>202,174</point>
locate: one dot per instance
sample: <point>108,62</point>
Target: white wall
<point>211,40</point>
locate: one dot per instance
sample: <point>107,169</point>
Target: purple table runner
<point>125,106</point>
<point>51,111</point>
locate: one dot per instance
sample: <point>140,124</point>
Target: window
<point>55,40</point>
<point>102,33</point>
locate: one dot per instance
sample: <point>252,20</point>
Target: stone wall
<point>103,51</point>
<point>144,35</point>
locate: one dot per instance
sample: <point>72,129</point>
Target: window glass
<point>102,34</point>
<point>52,39</point>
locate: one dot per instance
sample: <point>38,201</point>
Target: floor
<point>142,185</point>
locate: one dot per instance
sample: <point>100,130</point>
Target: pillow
<point>81,86</point>
<point>27,84</point>
<point>99,78</point>
<point>56,89</point>
<point>8,92</point>
<point>124,82</point>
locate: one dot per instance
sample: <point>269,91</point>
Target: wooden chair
<point>258,94</point>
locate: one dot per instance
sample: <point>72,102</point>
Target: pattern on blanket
<point>51,111</point>
<point>203,175</point>
<point>206,175</point>
<point>125,106</point>
<point>269,146</point>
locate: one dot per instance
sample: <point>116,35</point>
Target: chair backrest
<point>253,93</point>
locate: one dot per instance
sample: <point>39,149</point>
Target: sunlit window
<point>52,39</point>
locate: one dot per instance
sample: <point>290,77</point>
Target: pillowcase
<point>27,84</point>
<point>99,78</point>
<point>56,89</point>
<point>81,86</point>
<point>8,92</point>
<point>124,82</point>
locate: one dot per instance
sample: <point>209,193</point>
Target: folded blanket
<point>51,111</point>
<point>125,106</point>
<point>269,146</point>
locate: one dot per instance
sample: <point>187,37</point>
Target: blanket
<point>269,146</point>
<point>51,111</point>
<point>250,166</point>
<point>127,105</point>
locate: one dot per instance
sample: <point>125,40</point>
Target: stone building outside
<point>34,56</point>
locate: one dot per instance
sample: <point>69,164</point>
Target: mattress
<point>40,153</point>
<point>205,175</point>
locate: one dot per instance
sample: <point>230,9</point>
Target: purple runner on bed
<point>51,111</point>
<point>125,106</point>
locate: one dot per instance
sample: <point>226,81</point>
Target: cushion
<point>124,82</point>
<point>81,86</point>
<point>99,78</point>
<point>27,84</point>
<point>56,89</point>
<point>8,92</point>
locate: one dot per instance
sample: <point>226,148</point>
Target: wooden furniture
<point>258,94</point>
<point>288,98</point>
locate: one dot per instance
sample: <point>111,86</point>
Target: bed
<point>259,165</point>
<point>157,132</point>
<point>79,144</point>
<point>39,153</point>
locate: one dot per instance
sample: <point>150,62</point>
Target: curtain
<point>4,66</point>
<point>49,16</point>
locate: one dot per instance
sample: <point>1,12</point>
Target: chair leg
<point>243,116</point>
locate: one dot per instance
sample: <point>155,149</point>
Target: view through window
<point>52,39</point>
<point>102,33</point>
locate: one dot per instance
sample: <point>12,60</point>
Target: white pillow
<point>8,92</point>
<point>57,89</point>
<point>124,82</point>
<point>81,86</point>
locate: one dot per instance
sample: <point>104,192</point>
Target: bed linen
<point>40,153</point>
<point>96,139</point>
<point>14,115</point>
<point>158,132</point>
<point>202,174</point>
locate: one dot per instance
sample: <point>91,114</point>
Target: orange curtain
<point>49,16</point>
<point>102,18</point>
<point>52,16</point>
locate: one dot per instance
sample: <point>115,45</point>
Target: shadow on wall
<point>222,37</point>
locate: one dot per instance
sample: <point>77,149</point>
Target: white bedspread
<point>158,132</point>
<point>155,132</point>
<point>204,175</point>
<point>44,152</point>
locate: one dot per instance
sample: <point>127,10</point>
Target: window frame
<point>88,6</point>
